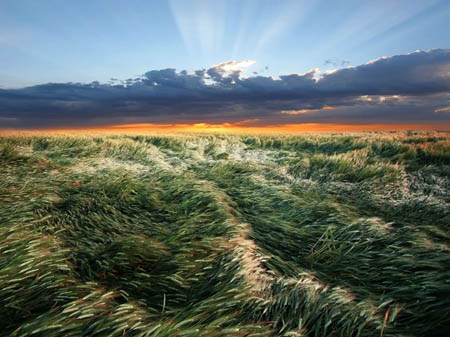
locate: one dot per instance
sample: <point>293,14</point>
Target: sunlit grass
<point>225,234</point>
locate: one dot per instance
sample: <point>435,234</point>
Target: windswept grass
<point>225,235</point>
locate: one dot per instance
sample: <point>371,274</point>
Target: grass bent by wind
<point>225,235</point>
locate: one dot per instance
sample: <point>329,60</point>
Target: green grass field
<point>225,235</point>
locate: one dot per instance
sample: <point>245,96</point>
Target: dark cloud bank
<point>413,88</point>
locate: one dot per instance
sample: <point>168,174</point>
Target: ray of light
<point>245,19</point>
<point>290,13</point>
<point>404,27</point>
<point>201,24</point>
<point>366,21</point>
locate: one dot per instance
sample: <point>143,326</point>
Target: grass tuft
<point>225,235</point>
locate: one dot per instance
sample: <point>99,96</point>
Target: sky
<point>247,62</point>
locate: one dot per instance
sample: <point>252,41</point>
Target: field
<point>225,235</point>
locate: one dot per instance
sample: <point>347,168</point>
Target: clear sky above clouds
<point>84,40</point>
<point>314,61</point>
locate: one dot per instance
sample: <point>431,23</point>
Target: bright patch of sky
<point>82,41</point>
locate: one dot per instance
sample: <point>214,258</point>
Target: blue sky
<point>257,62</point>
<point>82,41</point>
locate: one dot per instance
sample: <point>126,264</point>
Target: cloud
<point>306,111</point>
<point>228,72</point>
<point>414,74</point>
<point>402,88</point>
<point>336,62</point>
<point>446,109</point>
<point>231,66</point>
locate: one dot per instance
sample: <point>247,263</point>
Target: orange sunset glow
<point>291,128</point>
<point>236,128</point>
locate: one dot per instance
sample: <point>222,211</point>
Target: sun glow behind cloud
<point>258,26</point>
<point>305,111</point>
<point>204,25</point>
<point>234,65</point>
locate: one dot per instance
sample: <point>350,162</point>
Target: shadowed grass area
<point>225,235</point>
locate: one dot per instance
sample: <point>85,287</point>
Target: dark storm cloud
<point>403,88</point>
<point>412,74</point>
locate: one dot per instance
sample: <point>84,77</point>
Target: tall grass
<point>225,235</point>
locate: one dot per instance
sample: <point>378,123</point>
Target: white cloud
<point>446,109</point>
<point>231,66</point>
<point>305,111</point>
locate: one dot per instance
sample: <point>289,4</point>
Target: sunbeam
<point>285,17</point>
<point>366,21</point>
<point>201,24</point>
